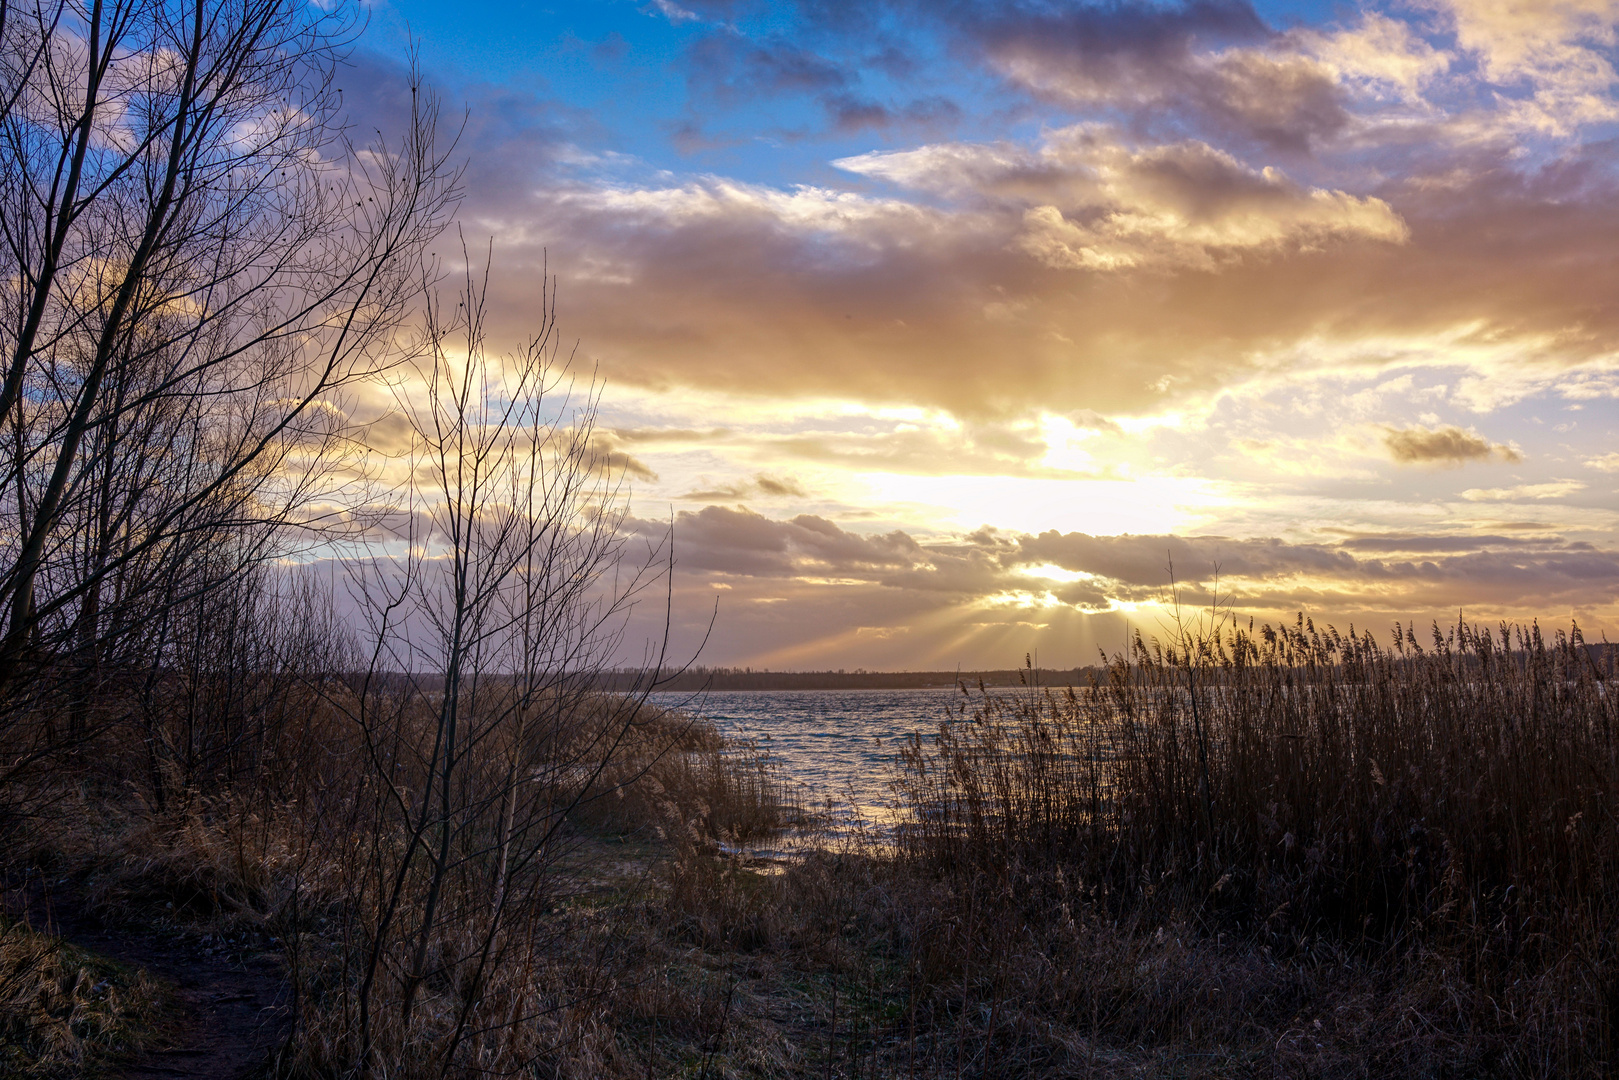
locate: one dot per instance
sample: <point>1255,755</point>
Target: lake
<point>837,744</point>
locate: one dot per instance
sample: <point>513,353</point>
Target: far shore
<point>700,679</point>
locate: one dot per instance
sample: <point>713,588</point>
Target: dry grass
<point>1344,859</point>
<point>679,779</point>
<point>1288,853</point>
<point>527,970</point>
<point>282,853</point>
<point>66,1013</point>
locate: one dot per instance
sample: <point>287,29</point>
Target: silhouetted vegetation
<point>1397,860</point>
<point>696,678</point>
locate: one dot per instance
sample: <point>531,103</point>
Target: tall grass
<point>1275,852</point>
<point>287,848</point>
<point>1309,792</point>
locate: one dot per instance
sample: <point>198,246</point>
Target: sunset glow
<point>943,331</point>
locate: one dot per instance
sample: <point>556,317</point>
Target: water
<point>837,744</point>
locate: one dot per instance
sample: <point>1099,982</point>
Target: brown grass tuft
<point>66,1013</point>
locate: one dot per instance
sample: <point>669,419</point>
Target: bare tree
<point>197,262</point>
<point>491,622</point>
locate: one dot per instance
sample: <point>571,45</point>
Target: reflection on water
<point>838,744</point>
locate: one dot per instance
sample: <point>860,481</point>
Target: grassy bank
<point>1275,853</point>
<point>277,862</point>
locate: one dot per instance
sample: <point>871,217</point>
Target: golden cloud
<point>1450,446</point>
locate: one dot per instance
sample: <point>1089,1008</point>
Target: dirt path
<point>233,1010</point>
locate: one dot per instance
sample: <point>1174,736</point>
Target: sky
<point>946,332</point>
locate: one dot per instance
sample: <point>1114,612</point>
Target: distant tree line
<point>698,678</point>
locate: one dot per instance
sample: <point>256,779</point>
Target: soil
<point>231,1008</point>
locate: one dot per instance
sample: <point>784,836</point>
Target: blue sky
<point>935,325</point>
<point>625,69</point>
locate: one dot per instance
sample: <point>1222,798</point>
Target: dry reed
<point>1438,820</point>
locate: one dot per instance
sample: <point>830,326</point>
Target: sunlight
<point>1149,504</point>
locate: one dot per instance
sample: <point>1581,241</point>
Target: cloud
<point>1165,218</point>
<point>1145,561</point>
<point>1185,229</point>
<point>1552,57</point>
<point>852,114</point>
<point>1087,53</point>
<point>971,449</point>
<point>1379,59</point>
<point>1506,70</point>
<point>1098,571</point>
<point>606,459</point>
<point>760,290</point>
<point>1089,202</point>
<point>1608,462</point>
<point>1108,269</point>
<point>1282,101</point>
<point>1553,489</point>
<point>1418,544</point>
<point>801,210</point>
<point>673,11</point>
<point>762,485</point>
<point>1091,420</point>
<point>1216,67</point>
<point>915,445</point>
<point>727,65</point>
<point>798,591</point>
<point>1101,265</point>
<point>1450,446</point>
<point>666,435</point>
<point>738,541</point>
<point>392,434</point>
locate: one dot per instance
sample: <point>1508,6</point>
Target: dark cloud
<point>688,137</point>
<point>806,592</point>
<point>728,65</point>
<point>761,485</point>
<point>893,61</point>
<point>1109,43</point>
<point>736,541</point>
<point>1208,64</point>
<point>1440,570</point>
<point>933,111</point>
<point>611,49</point>
<point>1094,421</point>
<point>1443,446</point>
<point>1406,543</point>
<point>851,114</point>
<point>605,456</point>
<point>1286,103</point>
<point>773,485</point>
<point>667,435</point>
<point>1147,560</point>
<point>392,434</point>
